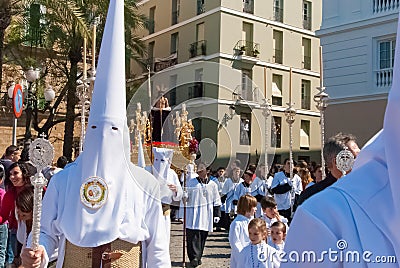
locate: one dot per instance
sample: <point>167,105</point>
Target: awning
<point>276,91</point>
<point>304,139</point>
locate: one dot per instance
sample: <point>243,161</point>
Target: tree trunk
<point>70,115</point>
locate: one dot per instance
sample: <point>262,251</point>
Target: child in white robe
<point>278,236</point>
<point>238,231</point>
<point>258,253</point>
<point>270,214</point>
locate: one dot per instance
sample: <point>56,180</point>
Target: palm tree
<point>8,9</point>
<point>66,24</point>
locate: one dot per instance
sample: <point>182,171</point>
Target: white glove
<point>185,194</point>
<point>216,219</point>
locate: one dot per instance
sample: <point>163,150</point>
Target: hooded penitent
<point>103,189</point>
<point>360,213</point>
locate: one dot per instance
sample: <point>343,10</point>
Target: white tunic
<point>260,255</point>
<point>283,201</point>
<point>256,188</point>
<point>238,237</point>
<point>202,198</point>
<point>229,190</point>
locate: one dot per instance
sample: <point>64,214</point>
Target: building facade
<point>358,40</point>
<point>268,49</point>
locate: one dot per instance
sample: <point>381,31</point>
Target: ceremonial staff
<point>41,154</point>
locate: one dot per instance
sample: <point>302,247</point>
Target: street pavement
<point>216,253</point>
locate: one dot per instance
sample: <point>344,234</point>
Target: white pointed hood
<point>106,150</point>
<point>162,162</point>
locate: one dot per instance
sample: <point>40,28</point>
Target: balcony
<point>307,23</point>
<point>306,64</point>
<point>200,7</point>
<point>247,94</point>
<point>248,6</point>
<point>159,64</point>
<point>384,77</point>
<point>278,56</point>
<point>278,14</point>
<point>198,48</point>
<point>174,17</point>
<point>380,6</point>
<point>247,51</point>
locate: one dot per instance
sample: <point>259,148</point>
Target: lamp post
<point>266,112</point>
<point>31,76</point>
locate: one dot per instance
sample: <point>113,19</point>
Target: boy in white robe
<point>203,208</point>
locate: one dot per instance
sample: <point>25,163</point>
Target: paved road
<point>216,253</point>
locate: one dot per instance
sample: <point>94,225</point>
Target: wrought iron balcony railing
<point>198,48</point>
<point>247,48</point>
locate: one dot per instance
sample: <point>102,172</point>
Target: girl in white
<point>258,253</point>
<point>238,231</point>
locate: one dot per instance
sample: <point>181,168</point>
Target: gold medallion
<point>94,192</point>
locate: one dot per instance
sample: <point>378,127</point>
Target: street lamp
<point>31,76</point>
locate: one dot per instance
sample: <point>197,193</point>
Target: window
<point>386,53</point>
<point>200,32</point>
<point>306,46</point>
<point>277,89</point>
<point>278,46</point>
<point>305,134</point>
<point>175,11</point>
<point>196,90</point>
<point>151,22</point>
<point>200,7</point>
<point>278,10</point>
<point>305,94</point>
<point>150,54</point>
<point>171,96</point>
<point>307,15</point>
<point>245,129</point>
<point>248,6</point>
<point>174,43</point>
<point>384,72</point>
<point>276,132</point>
<point>247,87</point>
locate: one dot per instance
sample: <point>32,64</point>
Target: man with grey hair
<point>332,148</point>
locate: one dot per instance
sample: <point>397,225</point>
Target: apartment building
<point>358,40</point>
<point>263,49</point>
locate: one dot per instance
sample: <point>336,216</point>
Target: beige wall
<point>363,119</point>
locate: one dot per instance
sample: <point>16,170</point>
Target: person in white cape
<point>354,223</point>
<point>102,199</point>
<point>170,187</point>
